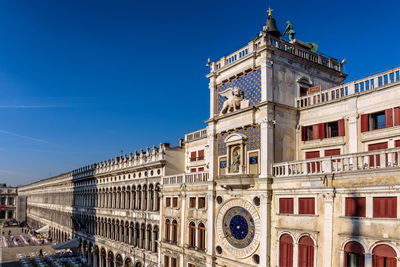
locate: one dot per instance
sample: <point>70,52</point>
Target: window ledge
<point>337,140</point>
<point>297,215</point>
<point>367,218</point>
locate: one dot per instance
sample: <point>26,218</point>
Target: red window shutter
<point>306,252</point>
<point>321,130</point>
<point>312,154</point>
<point>193,170</point>
<point>286,205</point>
<point>332,152</point>
<point>373,147</point>
<point>200,169</point>
<point>315,129</point>
<point>201,154</point>
<point>397,143</point>
<point>341,127</point>
<point>193,156</point>
<point>385,207</point>
<point>364,123</point>
<point>286,251</point>
<point>397,116</point>
<point>306,206</point>
<point>355,206</point>
<point>389,118</point>
<point>303,133</point>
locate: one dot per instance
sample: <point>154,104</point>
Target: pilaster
<point>267,143</point>
<point>265,218</point>
<point>328,227</point>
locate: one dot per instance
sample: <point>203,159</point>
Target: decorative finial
<point>269,10</point>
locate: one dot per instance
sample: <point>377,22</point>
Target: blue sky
<point>81,81</point>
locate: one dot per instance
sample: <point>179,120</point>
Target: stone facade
<point>8,196</point>
<point>298,170</point>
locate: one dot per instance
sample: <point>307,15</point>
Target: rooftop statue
<point>289,31</point>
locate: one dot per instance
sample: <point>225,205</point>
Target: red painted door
<point>354,255</point>
<point>306,252</point>
<point>286,251</point>
<point>373,147</point>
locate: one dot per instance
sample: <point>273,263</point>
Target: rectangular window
<point>191,265</point>
<point>355,206</point>
<point>307,205</point>
<point>357,88</point>
<point>377,120</point>
<point>362,87</point>
<point>200,169</point>
<point>286,205</point>
<point>376,158</point>
<point>385,79</point>
<point>202,202</point>
<point>385,207</point>
<point>332,152</point>
<point>192,202</point>
<point>379,81</point>
<point>391,77</point>
<point>397,76</point>
<point>174,262</point>
<point>366,85</point>
<point>372,84</point>
<point>200,155</point>
<point>193,156</point>
<point>331,129</point>
<point>168,202</point>
<point>313,166</point>
<point>166,261</point>
<point>346,89</point>
<point>307,133</point>
<point>175,202</point>
<point>193,170</point>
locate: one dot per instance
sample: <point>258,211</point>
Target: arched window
<point>167,230</point>
<point>202,236</point>
<point>174,231</point>
<point>384,256</point>
<point>286,251</point>
<point>192,235</point>
<point>306,252</point>
<point>353,255</point>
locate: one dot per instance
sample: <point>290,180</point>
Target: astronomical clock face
<point>238,228</point>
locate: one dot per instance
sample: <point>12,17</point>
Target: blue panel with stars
<point>249,83</point>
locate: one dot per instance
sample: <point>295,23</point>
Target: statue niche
<point>235,100</point>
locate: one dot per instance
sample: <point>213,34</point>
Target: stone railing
<point>123,161</point>
<point>196,135</point>
<point>351,88</point>
<point>186,178</point>
<point>258,44</point>
<point>388,158</point>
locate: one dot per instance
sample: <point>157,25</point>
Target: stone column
<point>368,260</point>
<point>181,239</point>
<point>265,218</point>
<point>140,237</point>
<point>213,91</point>
<point>89,257</point>
<point>154,241</point>
<point>329,196</point>
<point>210,226</point>
<point>149,193</point>
<point>130,235</point>
<point>127,203</point>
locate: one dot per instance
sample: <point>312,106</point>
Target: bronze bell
<point>270,27</point>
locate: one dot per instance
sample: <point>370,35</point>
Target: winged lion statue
<point>234,96</point>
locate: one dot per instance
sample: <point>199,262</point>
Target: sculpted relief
<point>234,100</point>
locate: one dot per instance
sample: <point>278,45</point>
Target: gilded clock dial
<point>238,226</point>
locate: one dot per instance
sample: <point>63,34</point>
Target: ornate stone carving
<point>235,100</point>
